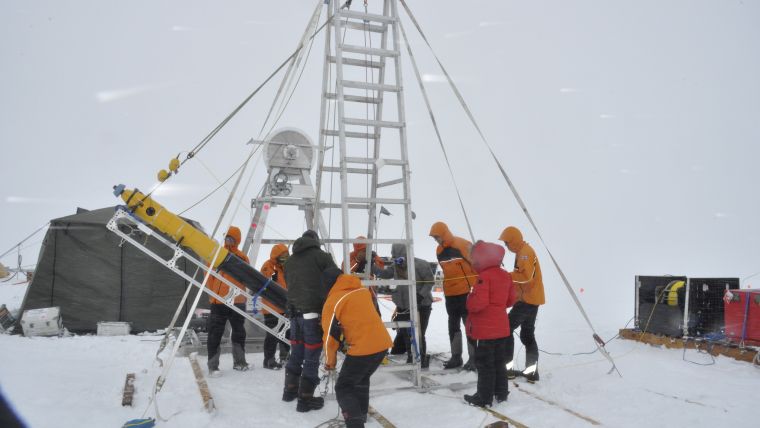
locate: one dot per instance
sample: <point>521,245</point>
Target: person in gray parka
<point>424,276</point>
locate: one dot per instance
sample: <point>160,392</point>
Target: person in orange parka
<point>220,313</point>
<point>358,258</point>
<point>274,269</point>
<point>358,262</point>
<point>458,278</point>
<point>530,295</point>
<point>348,320</point>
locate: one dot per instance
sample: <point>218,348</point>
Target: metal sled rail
<point>123,217</point>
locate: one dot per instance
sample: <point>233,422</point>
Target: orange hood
<point>512,238</point>
<point>277,251</point>
<point>359,246</point>
<point>234,233</point>
<point>439,228</point>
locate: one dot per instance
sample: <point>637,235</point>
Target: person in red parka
<point>487,322</point>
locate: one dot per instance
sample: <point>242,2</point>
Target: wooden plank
<point>208,400</point>
<point>129,390</point>
<point>556,404</point>
<point>501,417</point>
<point>492,412</point>
<point>382,420</point>
<point>738,353</point>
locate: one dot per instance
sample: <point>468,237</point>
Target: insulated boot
<point>500,398</point>
<point>456,352</point>
<point>272,364</point>
<point>470,364</point>
<point>454,362</point>
<point>238,357</point>
<point>284,358</point>
<point>476,400</point>
<point>531,377</point>
<point>425,361</point>
<point>306,399</point>
<point>354,423</point>
<point>290,392</point>
<point>511,374</point>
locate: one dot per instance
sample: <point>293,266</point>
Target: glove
<point>399,261</point>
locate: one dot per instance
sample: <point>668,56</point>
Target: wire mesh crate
<point>678,306</point>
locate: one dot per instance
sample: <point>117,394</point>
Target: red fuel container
<point>742,315</point>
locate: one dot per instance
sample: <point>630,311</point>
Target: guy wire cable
<point>437,132</point>
<point>198,147</point>
<point>597,339</point>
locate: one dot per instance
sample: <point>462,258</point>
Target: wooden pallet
<point>738,353</point>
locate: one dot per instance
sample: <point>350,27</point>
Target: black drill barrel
<point>254,280</point>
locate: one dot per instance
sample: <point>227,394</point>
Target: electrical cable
<point>585,353</point>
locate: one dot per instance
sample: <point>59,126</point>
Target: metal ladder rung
<point>376,241</point>
<point>370,51</point>
<point>336,169</point>
<point>370,86</point>
<point>394,162</point>
<point>375,123</point>
<point>366,16</point>
<point>383,282</point>
<point>363,207</point>
<point>353,98</point>
<point>357,62</point>
<point>390,182</point>
<point>348,134</point>
<point>364,200</point>
<point>398,324</point>
<point>363,26</point>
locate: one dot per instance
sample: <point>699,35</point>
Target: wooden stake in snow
<point>129,390</point>
<point>208,401</point>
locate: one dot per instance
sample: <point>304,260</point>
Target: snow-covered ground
<point>79,380</point>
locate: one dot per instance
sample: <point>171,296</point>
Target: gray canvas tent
<point>83,270</point>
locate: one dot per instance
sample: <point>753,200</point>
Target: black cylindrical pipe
<point>254,280</point>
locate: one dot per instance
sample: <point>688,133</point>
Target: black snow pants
<point>523,315</point>
<point>352,387</point>
<point>456,308</point>
<point>403,340</point>
<point>217,319</point>
<point>490,360</point>
<point>271,342</point>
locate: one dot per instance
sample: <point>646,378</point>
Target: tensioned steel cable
<point>198,147</point>
<point>24,240</point>
<point>597,339</point>
<point>437,132</point>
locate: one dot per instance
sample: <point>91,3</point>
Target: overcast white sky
<point>631,128</point>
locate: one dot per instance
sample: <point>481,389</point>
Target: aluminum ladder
<point>345,96</point>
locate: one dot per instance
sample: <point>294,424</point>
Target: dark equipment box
<point>678,306</point>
